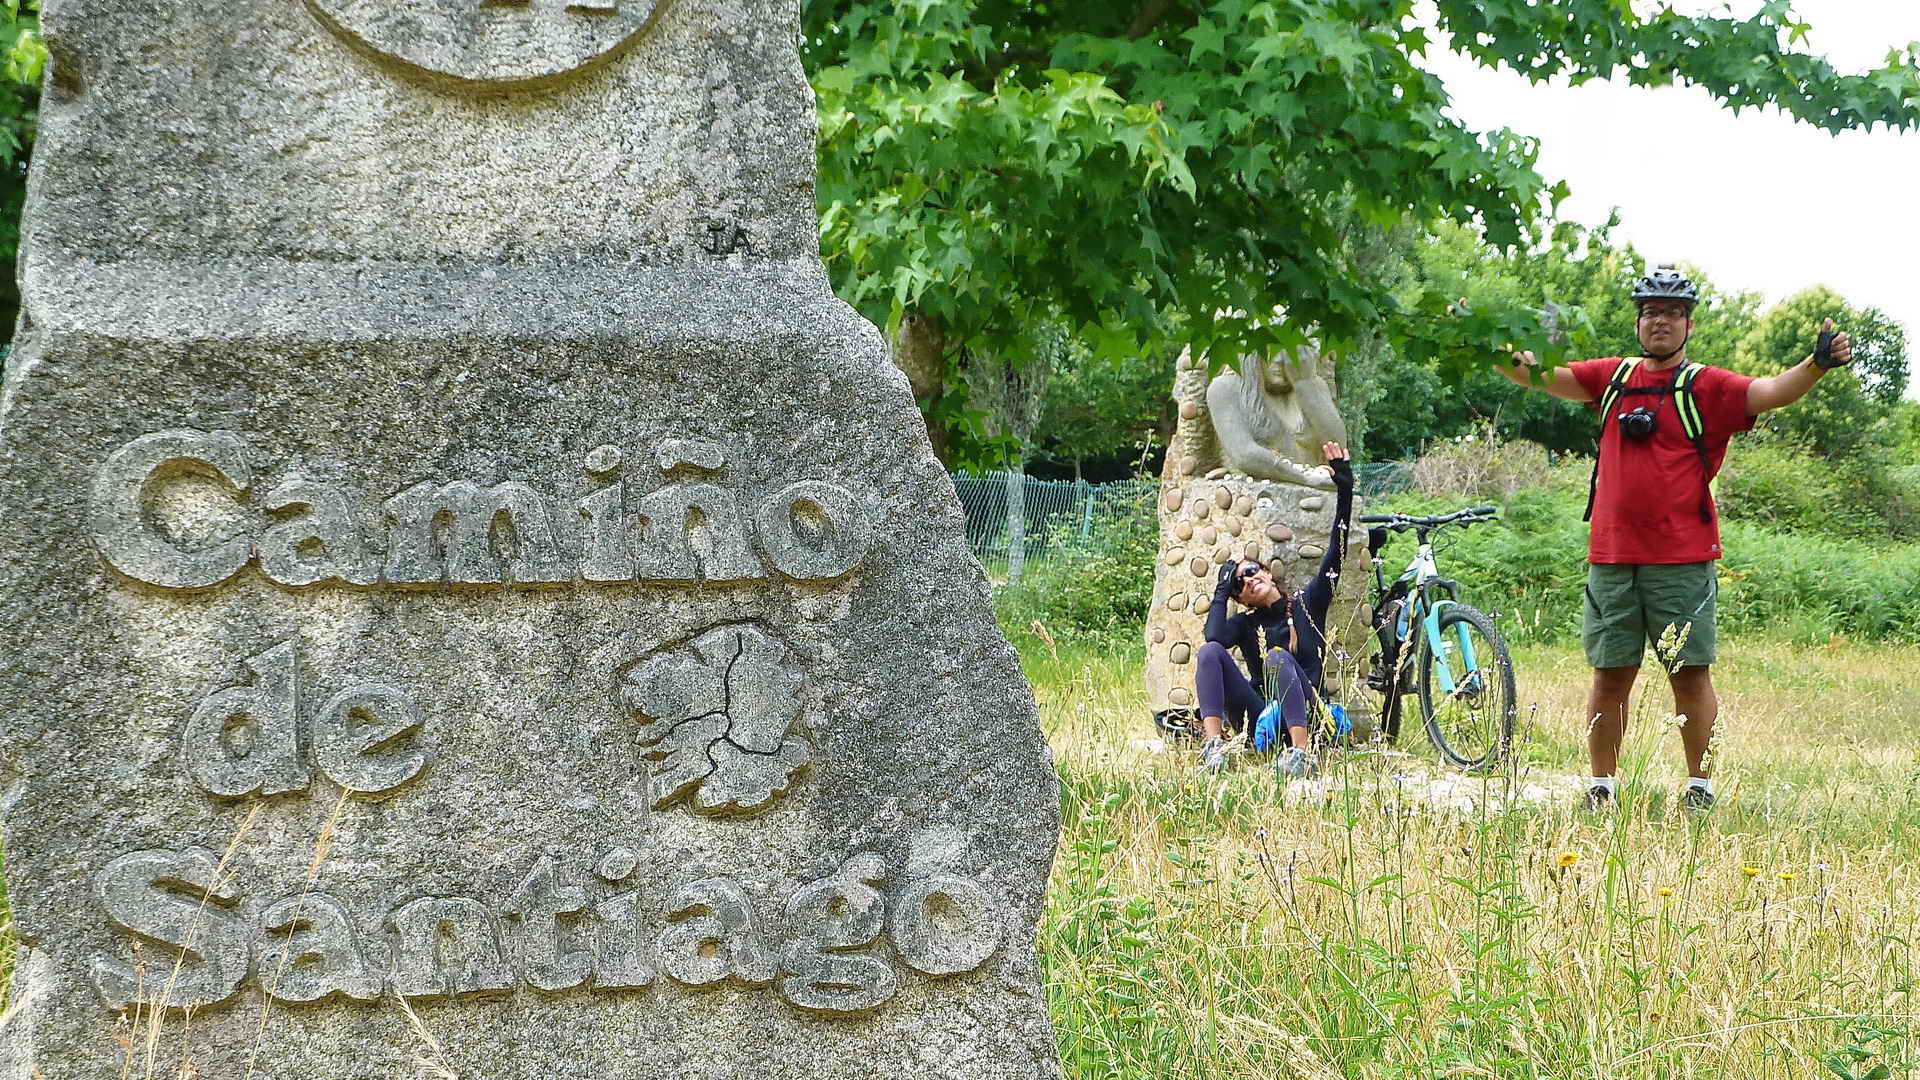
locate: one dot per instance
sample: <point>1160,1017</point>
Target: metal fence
<point>1059,511</point>
<point>1382,478</point>
<point>1054,511</point>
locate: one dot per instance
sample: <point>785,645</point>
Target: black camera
<point>1639,424</point>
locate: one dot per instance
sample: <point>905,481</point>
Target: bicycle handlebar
<point>1403,521</point>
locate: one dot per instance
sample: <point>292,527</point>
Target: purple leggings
<point>1225,692</point>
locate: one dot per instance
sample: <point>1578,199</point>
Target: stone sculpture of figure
<point>1271,415</point>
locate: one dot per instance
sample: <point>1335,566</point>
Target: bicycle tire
<point>1393,699</point>
<point>1473,727</point>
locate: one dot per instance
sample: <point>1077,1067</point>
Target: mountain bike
<point>1446,652</point>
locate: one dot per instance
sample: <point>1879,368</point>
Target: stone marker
<point>475,604</point>
<point>1240,483</point>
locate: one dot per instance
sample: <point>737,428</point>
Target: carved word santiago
<point>305,532</point>
<point>718,718</point>
<point>245,740</point>
<point>548,934</point>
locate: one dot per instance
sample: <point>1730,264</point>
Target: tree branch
<point>1149,17</point>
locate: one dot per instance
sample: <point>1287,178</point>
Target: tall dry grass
<point>1375,923</point>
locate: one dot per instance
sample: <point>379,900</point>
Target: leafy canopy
<point>1571,268</point>
<point>1169,171</point>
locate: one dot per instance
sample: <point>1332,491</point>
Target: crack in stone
<point>724,713</point>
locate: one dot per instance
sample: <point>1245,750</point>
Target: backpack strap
<point>1617,384</point>
<point>1694,425</point>
<point>1609,396</point>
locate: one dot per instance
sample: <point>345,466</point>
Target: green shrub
<point>1810,588</point>
<point>1531,564</point>
<point>1775,483</point>
<point>1479,465</point>
<point>1527,566</point>
<point>1096,586</point>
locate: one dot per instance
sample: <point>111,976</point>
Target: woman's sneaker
<point>1599,799</point>
<point>1213,755</point>
<point>1294,763</point>
<point>1697,799</point>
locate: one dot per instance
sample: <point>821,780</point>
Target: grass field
<point>1356,927</point>
<point>1224,930</point>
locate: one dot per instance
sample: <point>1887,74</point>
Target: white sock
<point>1601,781</point>
<point>1700,782</point>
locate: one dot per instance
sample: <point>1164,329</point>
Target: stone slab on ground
<point>476,604</point>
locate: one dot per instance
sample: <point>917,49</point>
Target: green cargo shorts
<point>1667,606</point>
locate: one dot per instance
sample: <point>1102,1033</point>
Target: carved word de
<point>717,716</point>
<point>244,740</point>
<point>194,939</point>
<point>306,532</point>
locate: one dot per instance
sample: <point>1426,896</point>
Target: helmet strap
<point>1665,356</point>
<point>1677,350</point>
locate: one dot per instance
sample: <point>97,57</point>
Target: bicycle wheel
<point>1466,690</point>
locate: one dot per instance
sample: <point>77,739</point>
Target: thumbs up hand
<point>1835,349</point>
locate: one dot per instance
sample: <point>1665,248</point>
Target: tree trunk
<point>920,350</point>
<point>1016,519</point>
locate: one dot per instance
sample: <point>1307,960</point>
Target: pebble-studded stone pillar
<point>1212,516</point>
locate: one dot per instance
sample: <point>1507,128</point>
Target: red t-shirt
<point>1647,506</point>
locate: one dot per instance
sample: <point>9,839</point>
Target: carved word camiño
<point>306,532</point>
<point>548,934</point>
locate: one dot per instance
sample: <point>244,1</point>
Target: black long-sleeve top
<point>1301,617</point>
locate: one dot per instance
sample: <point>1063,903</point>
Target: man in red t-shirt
<point>1656,533</point>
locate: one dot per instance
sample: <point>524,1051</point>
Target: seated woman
<point>1289,667</point>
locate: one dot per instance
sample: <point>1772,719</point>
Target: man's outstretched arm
<point>1559,382</point>
<point>1789,386</point>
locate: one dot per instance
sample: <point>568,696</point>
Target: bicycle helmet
<point>1665,283</point>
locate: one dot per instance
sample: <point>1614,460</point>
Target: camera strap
<point>1692,423</point>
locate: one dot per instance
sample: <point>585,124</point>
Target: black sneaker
<point>1599,799</point>
<point>1697,799</point>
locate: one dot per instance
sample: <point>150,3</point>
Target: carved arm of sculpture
<point>1314,396</point>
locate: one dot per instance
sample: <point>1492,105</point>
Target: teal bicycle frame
<point>1425,580</point>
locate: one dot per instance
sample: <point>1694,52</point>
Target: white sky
<point>1758,201</point>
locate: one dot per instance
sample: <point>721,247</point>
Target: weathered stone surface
<point>476,604</point>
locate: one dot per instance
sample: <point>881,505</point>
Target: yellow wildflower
<point>1664,890</point>
<point>1568,858</point>
<point>1788,875</point>
<point>1750,871</point>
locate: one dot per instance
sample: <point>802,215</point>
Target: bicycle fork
<point>1441,648</point>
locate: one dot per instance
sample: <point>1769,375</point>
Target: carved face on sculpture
<point>1279,373</point>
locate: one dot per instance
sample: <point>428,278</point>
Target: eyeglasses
<point>1673,314</point>
<point>1249,571</point>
